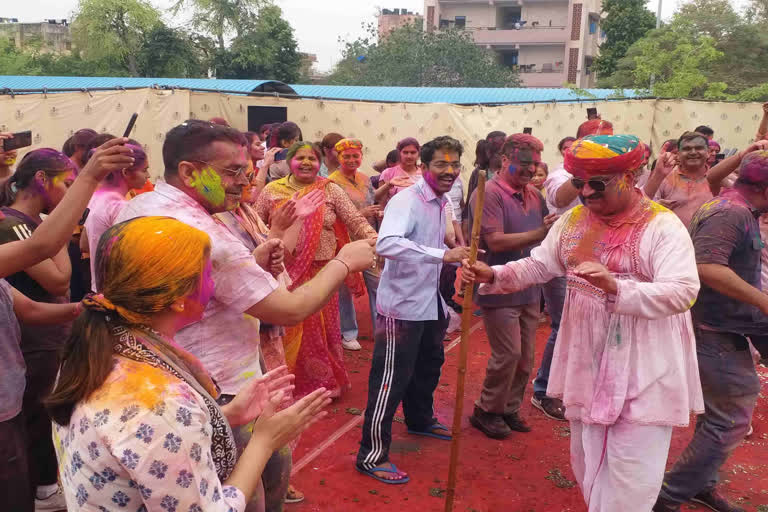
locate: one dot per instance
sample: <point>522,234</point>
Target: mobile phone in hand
<point>131,122</point>
<point>17,140</point>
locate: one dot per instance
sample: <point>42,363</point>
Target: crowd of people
<point>164,344</point>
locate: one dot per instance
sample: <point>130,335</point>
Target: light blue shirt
<point>412,239</point>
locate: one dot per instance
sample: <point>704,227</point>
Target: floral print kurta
<point>141,442</point>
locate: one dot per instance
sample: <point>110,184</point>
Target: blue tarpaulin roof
<point>457,95</point>
<point>104,82</point>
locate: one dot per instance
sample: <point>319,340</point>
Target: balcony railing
<point>525,35</point>
<point>536,68</point>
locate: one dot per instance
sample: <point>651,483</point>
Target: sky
<point>318,24</point>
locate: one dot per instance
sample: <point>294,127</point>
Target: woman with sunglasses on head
<point>136,418</point>
<point>313,349</point>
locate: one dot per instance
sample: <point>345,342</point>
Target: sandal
<point>430,432</point>
<point>293,495</point>
<point>380,469</point>
<point>551,407</point>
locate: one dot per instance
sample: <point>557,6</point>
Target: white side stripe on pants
<point>377,444</point>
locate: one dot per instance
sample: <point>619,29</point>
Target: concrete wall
<point>540,55</point>
<point>478,16</point>
<point>544,12</point>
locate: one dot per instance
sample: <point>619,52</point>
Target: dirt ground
<point>523,473</point>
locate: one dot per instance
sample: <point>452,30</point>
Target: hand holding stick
<point>466,319</point>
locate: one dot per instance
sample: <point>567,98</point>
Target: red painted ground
<point>524,473</point>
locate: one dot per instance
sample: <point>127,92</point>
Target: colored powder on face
<point>9,160</point>
<point>431,180</point>
<point>208,184</point>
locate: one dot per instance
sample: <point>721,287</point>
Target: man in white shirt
<point>205,167</point>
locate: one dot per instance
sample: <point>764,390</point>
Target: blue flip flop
<point>392,469</point>
<point>429,433</point>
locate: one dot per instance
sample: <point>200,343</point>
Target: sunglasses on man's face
<point>595,184</point>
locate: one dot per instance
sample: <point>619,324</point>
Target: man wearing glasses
<point>412,320</point>
<point>625,358</point>
<point>515,219</point>
<point>205,173</point>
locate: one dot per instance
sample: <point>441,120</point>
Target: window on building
<point>444,24</point>
<point>509,58</point>
<point>507,17</point>
<point>461,22</point>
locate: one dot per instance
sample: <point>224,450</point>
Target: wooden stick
<point>466,319</point>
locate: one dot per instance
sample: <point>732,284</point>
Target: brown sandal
<point>551,407</point>
<point>293,495</point>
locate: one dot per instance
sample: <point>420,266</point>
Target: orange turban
<point>594,127</point>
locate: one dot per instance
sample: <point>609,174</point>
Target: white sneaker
<point>351,345</point>
<point>55,501</point>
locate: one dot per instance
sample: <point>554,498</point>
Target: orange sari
<point>313,350</point>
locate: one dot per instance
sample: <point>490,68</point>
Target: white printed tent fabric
<point>54,117</point>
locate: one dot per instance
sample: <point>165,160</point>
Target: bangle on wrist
<point>349,270</point>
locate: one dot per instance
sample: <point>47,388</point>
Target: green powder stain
<point>208,185</point>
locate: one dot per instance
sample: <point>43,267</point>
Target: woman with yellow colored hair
<point>136,418</point>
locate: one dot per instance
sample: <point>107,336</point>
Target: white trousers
<point>619,467</point>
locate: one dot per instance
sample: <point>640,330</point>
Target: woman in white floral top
<point>136,422</point>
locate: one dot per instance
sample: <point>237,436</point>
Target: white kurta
<point>625,366</point>
<point>632,356</point>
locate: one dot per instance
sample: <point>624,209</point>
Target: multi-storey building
<point>390,19</point>
<point>53,34</point>
<point>551,42</point>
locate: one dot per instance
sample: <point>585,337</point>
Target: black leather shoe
<point>516,423</point>
<point>492,425</point>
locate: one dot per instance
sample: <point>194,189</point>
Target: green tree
<point>113,29</point>
<point>13,61</point>
<point>742,39</point>
<point>221,17</point>
<point>266,49</point>
<point>624,22</point>
<point>409,56</point>
<point>676,57</point>
<point>168,52</point>
<point>714,18</point>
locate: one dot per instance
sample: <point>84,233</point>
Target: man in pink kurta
<point>625,358</point>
